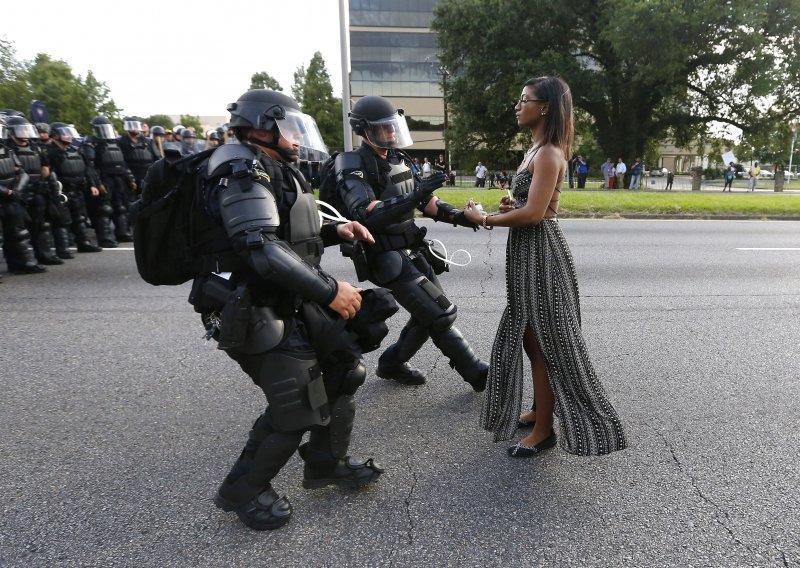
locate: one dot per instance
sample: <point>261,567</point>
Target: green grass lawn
<point>604,203</point>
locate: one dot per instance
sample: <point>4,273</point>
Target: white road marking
<point>770,248</point>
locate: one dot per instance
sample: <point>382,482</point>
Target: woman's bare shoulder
<point>548,154</point>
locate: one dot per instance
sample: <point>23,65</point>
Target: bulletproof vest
<point>297,208</point>
<point>304,223</point>
<point>8,172</point>
<point>401,182</point>
<point>110,158</point>
<point>137,153</point>
<point>73,168</point>
<point>31,161</point>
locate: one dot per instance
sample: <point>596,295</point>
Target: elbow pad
<point>273,260</point>
<point>250,215</point>
<point>393,210</point>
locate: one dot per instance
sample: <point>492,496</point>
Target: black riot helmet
<point>132,124</point>
<point>20,128</point>
<point>264,109</point>
<point>376,120</point>
<point>103,128</point>
<point>157,131</point>
<point>60,130</point>
<point>7,112</point>
<point>42,127</point>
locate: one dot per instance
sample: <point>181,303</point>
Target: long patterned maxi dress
<point>542,292</point>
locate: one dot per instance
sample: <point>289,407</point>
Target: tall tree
<point>159,120</point>
<point>640,70</point>
<point>313,90</point>
<point>263,80</point>
<point>189,121</point>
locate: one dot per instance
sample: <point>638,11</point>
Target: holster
<point>357,252</point>
<point>210,293</point>
<point>234,318</point>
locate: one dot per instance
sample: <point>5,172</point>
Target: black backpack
<point>164,220</point>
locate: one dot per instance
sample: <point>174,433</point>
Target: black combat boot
<point>61,238</point>
<point>344,472</point>
<point>246,490</point>
<point>265,512</point>
<point>393,363</point>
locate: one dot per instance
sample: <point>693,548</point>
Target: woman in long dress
<point>543,312</point>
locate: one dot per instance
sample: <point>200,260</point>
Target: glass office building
<point>393,54</point>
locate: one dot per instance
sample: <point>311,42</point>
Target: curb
<point>685,217</point>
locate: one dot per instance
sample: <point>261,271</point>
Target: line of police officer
<point>51,186</point>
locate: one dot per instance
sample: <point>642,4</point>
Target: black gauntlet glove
<point>449,214</point>
<point>430,184</point>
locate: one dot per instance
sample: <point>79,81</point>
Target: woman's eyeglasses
<point>523,101</point>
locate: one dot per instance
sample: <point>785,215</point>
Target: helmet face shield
<point>63,131</point>
<point>301,129</point>
<point>24,131</point>
<point>132,125</point>
<point>3,131</point>
<point>105,131</point>
<point>389,132</point>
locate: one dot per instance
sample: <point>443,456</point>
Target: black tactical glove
<point>430,184</point>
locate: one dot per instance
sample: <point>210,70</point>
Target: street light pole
<point>445,75</point>
<point>794,138</point>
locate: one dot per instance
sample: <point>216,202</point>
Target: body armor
<point>110,158</point>
<point>31,161</point>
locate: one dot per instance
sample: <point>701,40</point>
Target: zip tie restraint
<point>336,215</point>
<point>445,258</point>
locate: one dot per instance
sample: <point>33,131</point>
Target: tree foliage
<point>189,121</point>
<point>640,70</point>
<point>263,80</point>
<point>313,91</point>
<point>160,120</point>
<point>68,98</point>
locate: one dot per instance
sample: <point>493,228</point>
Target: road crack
<point>700,493</point>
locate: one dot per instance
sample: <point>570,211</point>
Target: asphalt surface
<point>119,421</point>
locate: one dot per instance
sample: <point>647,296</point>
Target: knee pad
<point>445,322</point>
<point>423,299</point>
<point>106,210</point>
<point>354,378</point>
<point>44,226</point>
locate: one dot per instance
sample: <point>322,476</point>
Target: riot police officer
<point>104,156</point>
<point>70,167</point>
<point>137,149</point>
<point>14,235</point>
<point>158,134</point>
<point>39,193</point>
<point>293,328</point>
<point>376,186</point>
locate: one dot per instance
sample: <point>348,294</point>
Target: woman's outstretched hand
<point>473,212</point>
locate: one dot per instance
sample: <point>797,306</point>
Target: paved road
<point>118,422</point>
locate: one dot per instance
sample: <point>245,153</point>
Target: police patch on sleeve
<point>357,173</point>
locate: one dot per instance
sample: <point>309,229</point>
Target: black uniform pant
<point>277,433</point>
<point>119,199</point>
<point>14,235</point>
<point>416,288</point>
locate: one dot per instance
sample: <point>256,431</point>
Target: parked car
<point>766,174</point>
<point>789,175</point>
<point>655,172</point>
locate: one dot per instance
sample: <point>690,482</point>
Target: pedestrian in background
<point>753,172</point>
<point>480,175</point>
<point>619,171</point>
<point>608,174</point>
<point>636,173</point>
<point>730,173</point>
<point>582,169</point>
